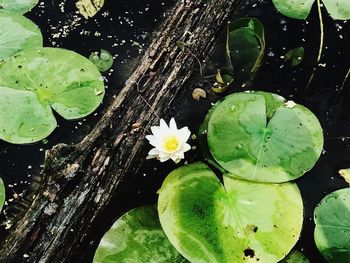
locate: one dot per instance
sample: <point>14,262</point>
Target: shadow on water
<point>18,164</point>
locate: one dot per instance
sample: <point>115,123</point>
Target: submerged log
<point>81,181</point>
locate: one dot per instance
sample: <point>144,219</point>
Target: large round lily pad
<point>137,237</point>
<point>241,221</point>
<point>36,80</point>
<point>332,232</point>
<point>18,6</point>
<point>17,33</point>
<point>256,136</point>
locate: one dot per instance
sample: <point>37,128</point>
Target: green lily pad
<point>103,61</point>
<point>239,221</point>
<point>137,237</point>
<point>2,194</point>
<point>17,33</point>
<point>23,118</point>
<point>332,232</point>
<point>300,9</point>
<point>259,137</point>
<point>203,140</point>
<point>295,257</point>
<point>338,9</point>
<point>18,6</point>
<point>245,46</point>
<point>36,80</point>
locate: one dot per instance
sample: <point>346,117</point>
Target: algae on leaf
<point>254,136</point>
<point>17,33</point>
<point>36,80</point>
<point>137,237</point>
<point>332,232</point>
<point>239,221</point>
<point>17,6</point>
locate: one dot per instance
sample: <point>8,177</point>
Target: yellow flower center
<point>171,143</point>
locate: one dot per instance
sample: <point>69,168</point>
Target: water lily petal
<point>184,134</point>
<point>173,126</point>
<point>186,147</point>
<point>163,126</point>
<point>156,131</point>
<point>152,140</point>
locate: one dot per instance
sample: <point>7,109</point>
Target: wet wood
<point>81,181</point>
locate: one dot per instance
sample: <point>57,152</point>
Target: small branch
<point>320,50</point>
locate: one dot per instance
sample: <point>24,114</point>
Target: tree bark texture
<point>80,181</point>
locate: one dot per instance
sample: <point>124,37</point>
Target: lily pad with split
<point>103,60</point>
<point>17,33</point>
<point>137,237</point>
<point>18,6</point>
<point>239,221</point>
<point>258,137</point>
<point>35,81</point>
<point>332,232</point>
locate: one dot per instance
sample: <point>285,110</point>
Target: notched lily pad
<point>17,33</point>
<point>137,237</point>
<point>256,137</point>
<point>239,221</point>
<point>103,60</point>
<point>332,232</point>
<point>17,6</point>
<point>36,80</point>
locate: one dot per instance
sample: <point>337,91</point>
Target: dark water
<point>19,164</point>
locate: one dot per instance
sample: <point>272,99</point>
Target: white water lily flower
<point>169,142</point>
